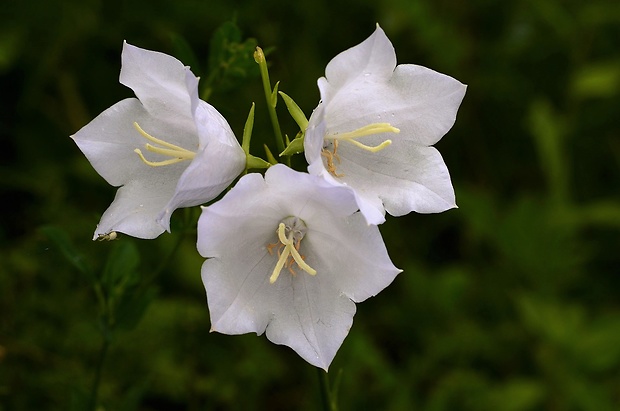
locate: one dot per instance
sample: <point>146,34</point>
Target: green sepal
<point>294,147</point>
<point>296,113</point>
<point>253,162</point>
<point>270,156</point>
<point>247,131</point>
<point>274,95</point>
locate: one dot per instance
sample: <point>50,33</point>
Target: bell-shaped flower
<point>374,128</point>
<point>166,148</point>
<point>289,255</point>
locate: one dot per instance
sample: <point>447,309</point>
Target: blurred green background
<point>511,302</point>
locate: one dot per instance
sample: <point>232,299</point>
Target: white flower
<point>166,148</point>
<point>374,127</point>
<point>289,254</point>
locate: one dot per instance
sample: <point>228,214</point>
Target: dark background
<point>511,302</point>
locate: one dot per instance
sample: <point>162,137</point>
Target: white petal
<point>350,255</point>
<point>253,200</point>
<point>225,222</point>
<point>220,160</point>
<point>239,294</point>
<point>405,176</point>
<point>371,207</point>
<point>421,102</point>
<point>314,140</point>
<point>304,195</point>
<point>167,89</point>
<point>374,57</point>
<point>109,141</point>
<point>311,317</point>
<point>301,312</point>
<point>135,208</point>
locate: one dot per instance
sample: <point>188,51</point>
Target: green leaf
<point>548,129</point>
<point>517,395</point>
<point>64,244</point>
<point>597,80</point>
<point>132,306</point>
<point>598,349</point>
<point>550,320</point>
<point>230,59</point>
<point>121,266</point>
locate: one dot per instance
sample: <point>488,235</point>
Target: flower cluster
<point>288,253</point>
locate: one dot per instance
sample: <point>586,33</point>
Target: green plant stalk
<point>330,403</point>
<point>271,96</point>
<point>103,352</point>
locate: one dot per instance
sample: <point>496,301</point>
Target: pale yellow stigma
<point>177,153</point>
<point>370,129</point>
<point>290,252</point>
<point>351,137</point>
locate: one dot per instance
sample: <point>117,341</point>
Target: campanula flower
<point>166,149</point>
<point>375,126</point>
<point>289,255</point>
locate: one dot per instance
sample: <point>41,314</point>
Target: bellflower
<point>374,128</point>
<point>166,148</point>
<point>289,255</point>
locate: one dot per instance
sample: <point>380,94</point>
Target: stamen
<point>335,152</point>
<point>178,153</point>
<point>289,255</point>
<point>330,160</point>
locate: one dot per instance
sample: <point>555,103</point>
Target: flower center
<point>290,232</point>
<point>177,153</point>
<point>351,137</point>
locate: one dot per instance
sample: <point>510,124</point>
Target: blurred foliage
<point>511,302</point>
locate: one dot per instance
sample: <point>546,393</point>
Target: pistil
<point>370,129</point>
<point>177,153</point>
<point>351,137</point>
<point>288,253</point>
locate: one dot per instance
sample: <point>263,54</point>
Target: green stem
<point>103,352</point>
<point>271,97</point>
<point>329,402</point>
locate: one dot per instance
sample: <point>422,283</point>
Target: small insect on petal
<point>112,235</point>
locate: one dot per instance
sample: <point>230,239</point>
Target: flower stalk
<point>271,95</point>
